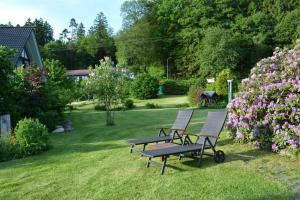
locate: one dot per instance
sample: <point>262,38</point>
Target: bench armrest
<point>190,134</point>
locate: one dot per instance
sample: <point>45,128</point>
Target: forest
<point>196,38</point>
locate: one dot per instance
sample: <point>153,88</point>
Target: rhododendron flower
<point>275,148</point>
<point>270,99</point>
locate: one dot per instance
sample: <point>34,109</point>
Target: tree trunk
<point>109,118</point>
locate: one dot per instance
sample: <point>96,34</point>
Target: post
<point>5,125</point>
<point>229,90</point>
<point>168,67</point>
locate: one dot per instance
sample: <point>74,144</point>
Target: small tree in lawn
<point>106,83</point>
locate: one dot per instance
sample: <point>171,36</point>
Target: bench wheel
<point>219,156</point>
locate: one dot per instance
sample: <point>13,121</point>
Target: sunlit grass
<point>93,162</point>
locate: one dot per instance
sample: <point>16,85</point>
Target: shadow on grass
<point>90,147</point>
<point>208,161</point>
<point>225,142</point>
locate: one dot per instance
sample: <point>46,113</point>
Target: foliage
<point>81,90</point>
<point>288,30</point>
<point>58,77</point>
<point>99,107</point>
<point>57,74</point>
<point>174,87</point>
<point>128,104</point>
<point>6,79</point>
<point>31,136</point>
<point>106,83</point>
<point>182,105</point>
<point>142,52</point>
<point>269,101</point>
<point>144,86</point>
<point>41,95</point>
<point>77,50</point>
<point>157,72</point>
<point>152,106</point>
<point>221,82</point>
<point>220,49</point>
<point>204,37</point>
<point>210,87</point>
<point>8,150</point>
<point>194,95</point>
<point>50,118</point>
<point>43,30</point>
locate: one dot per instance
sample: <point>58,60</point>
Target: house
<point>79,74</point>
<point>23,40</point>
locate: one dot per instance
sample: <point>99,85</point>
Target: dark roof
<point>15,38</point>
<point>79,72</point>
<point>209,93</point>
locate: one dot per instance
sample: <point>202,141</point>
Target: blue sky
<point>59,12</point>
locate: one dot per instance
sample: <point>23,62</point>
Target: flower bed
<point>267,111</point>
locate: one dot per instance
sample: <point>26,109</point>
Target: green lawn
<point>165,101</point>
<point>93,162</point>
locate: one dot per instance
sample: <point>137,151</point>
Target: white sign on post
<point>5,125</point>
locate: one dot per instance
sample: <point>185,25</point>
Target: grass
<point>165,101</point>
<point>93,162</point>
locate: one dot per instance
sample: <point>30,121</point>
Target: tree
<point>106,84</point>
<point>221,49</point>
<point>43,30</point>
<point>80,31</point>
<point>73,25</point>
<point>288,30</point>
<point>132,11</point>
<point>99,40</point>
<point>57,74</point>
<point>221,82</point>
<point>64,36</point>
<point>6,78</point>
<point>139,46</point>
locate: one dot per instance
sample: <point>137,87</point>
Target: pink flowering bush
<point>267,111</point>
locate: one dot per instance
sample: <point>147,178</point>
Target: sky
<point>59,12</point>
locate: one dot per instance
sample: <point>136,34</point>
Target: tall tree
<point>64,35</point>
<point>132,11</point>
<point>73,25</point>
<point>80,31</point>
<point>43,30</point>
<point>99,40</point>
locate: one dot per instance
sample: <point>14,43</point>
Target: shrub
<point>144,86</point>
<point>81,91</point>
<point>100,107</point>
<point>221,82</point>
<point>182,105</point>
<point>172,87</point>
<point>156,72</point>
<point>200,81</point>
<point>128,104</point>
<point>41,95</point>
<point>50,118</point>
<point>7,149</point>
<point>210,87</point>
<point>152,105</point>
<point>270,100</point>
<point>194,95</point>
<point>31,136</point>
